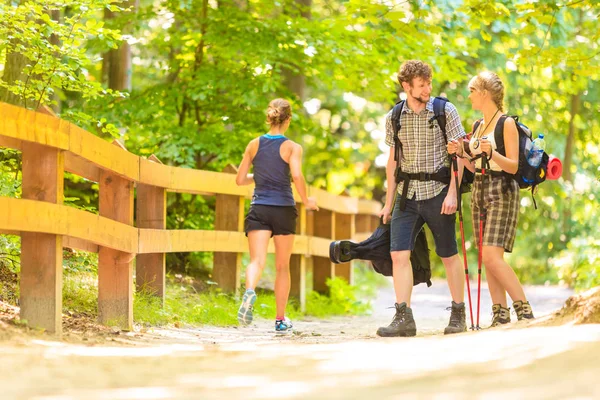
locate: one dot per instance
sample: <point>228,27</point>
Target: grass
<point>193,302</point>
<point>80,293</point>
<point>184,305</point>
<point>9,283</point>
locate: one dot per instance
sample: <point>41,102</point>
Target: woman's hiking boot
<point>523,310</point>
<point>403,323</point>
<point>501,315</point>
<point>457,322</point>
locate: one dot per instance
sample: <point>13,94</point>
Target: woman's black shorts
<point>280,220</point>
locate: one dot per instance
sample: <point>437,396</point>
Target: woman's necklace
<point>487,126</point>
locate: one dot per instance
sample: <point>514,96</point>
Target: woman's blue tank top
<point>273,185</point>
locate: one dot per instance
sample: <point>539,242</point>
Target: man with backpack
<point>418,130</point>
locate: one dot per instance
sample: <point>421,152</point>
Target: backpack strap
<point>466,147</point>
<point>475,126</point>
<point>499,135</point>
<point>439,115</point>
<point>396,125</point>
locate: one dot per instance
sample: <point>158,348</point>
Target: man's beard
<point>421,100</point>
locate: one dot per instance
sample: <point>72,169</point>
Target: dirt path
<point>339,358</point>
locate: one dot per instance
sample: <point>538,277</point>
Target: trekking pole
<point>482,216</point>
<point>462,235</point>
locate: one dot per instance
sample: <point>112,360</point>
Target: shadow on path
<point>334,359</point>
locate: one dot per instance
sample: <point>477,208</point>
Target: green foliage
<point>54,50</point>
<point>75,261</point>
<point>578,264</point>
<point>184,305</point>
<point>204,71</point>
<point>366,281</point>
<point>80,193</point>
<point>80,282</point>
<point>9,279</point>
<point>80,292</point>
<point>342,300</point>
<point>10,245</point>
<point>10,173</point>
<point>55,54</point>
<point>577,256</point>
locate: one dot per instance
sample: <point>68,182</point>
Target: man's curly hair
<point>414,69</point>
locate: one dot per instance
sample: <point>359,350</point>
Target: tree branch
<point>55,66</point>
<point>583,59</point>
<point>9,257</point>
<point>573,3</point>
<point>27,80</point>
<point>547,32</point>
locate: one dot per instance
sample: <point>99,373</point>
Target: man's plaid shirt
<point>423,148</point>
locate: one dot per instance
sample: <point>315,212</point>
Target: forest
<point>189,81</point>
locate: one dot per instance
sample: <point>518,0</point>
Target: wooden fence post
<point>229,216</point>
<point>323,268</point>
<point>363,223</point>
<point>344,230</point>
<point>41,254</point>
<point>309,259</point>
<point>151,212</point>
<point>298,263</point>
<point>374,222</point>
<point>115,268</point>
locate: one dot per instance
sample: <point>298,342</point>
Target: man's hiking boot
<point>403,323</point>
<point>457,322</point>
<point>523,310</point>
<point>501,315</point>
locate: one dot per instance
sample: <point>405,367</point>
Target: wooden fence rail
<point>51,146</point>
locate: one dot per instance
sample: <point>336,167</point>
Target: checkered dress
<point>423,146</point>
<point>502,209</point>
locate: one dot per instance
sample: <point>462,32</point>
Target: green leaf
<point>485,35</point>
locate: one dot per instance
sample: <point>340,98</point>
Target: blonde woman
<point>495,136</point>
<point>272,213</point>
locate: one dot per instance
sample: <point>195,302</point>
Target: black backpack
<point>439,117</point>
<point>527,177</point>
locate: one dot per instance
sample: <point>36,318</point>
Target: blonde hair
<point>490,82</point>
<point>278,112</point>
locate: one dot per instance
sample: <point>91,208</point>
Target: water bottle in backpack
<point>534,156</point>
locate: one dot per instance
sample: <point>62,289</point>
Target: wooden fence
<point>51,146</point>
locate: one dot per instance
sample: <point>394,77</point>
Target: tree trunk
<point>295,81</point>
<point>54,39</point>
<point>116,65</point>
<point>575,106</point>
<point>570,145</point>
<point>13,72</point>
<point>568,161</point>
